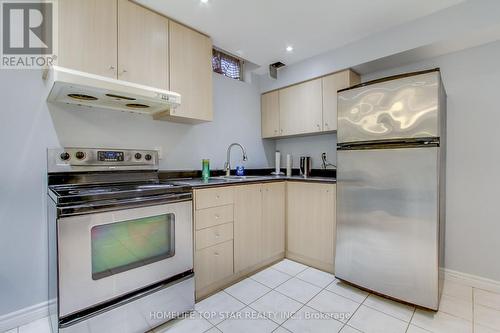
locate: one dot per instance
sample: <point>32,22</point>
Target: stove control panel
<point>110,156</point>
<point>99,159</point>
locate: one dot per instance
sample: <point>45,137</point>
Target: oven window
<point>122,246</point>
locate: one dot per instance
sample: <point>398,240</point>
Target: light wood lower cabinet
<point>311,224</point>
<point>213,238</point>
<point>247,226</point>
<point>273,219</point>
<point>240,229</point>
<point>213,264</point>
<point>250,219</point>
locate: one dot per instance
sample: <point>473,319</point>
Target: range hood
<point>69,86</point>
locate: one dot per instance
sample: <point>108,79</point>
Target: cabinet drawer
<point>213,197</point>
<point>213,264</point>
<point>214,235</point>
<point>210,217</point>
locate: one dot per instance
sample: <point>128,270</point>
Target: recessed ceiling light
<point>289,48</point>
<point>204,1</point>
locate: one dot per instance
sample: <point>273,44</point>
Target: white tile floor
<point>290,297</point>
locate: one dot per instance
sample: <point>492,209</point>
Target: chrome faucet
<point>227,165</point>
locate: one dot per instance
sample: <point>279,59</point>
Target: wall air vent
<point>273,69</point>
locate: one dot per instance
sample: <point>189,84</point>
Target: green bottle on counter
<point>205,169</point>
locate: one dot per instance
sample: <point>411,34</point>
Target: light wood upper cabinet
<point>270,114</point>
<point>304,108</point>
<point>301,108</point>
<point>142,46</point>
<point>273,219</point>
<point>247,226</point>
<point>311,224</point>
<point>87,36</point>
<point>191,74</point>
<point>331,84</point>
<point>123,40</point>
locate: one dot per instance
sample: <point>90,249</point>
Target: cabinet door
<point>331,84</point>
<point>213,264</point>
<point>88,36</point>
<point>270,113</point>
<point>301,108</point>
<point>273,220</point>
<point>191,73</point>
<point>311,224</point>
<point>142,46</point>
<point>247,226</point>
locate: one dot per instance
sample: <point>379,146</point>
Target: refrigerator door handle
<point>390,144</point>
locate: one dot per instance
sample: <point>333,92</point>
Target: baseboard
<point>470,280</point>
<point>24,316</point>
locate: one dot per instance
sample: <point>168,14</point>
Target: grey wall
<point>312,146</point>
<point>472,81</point>
<point>236,119</point>
<point>29,127</point>
<point>458,27</point>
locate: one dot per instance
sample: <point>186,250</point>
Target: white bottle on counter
<point>277,163</point>
<point>288,165</point>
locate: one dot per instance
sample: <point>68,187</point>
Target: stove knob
<point>80,155</point>
<point>148,157</point>
<point>65,156</point>
<point>138,156</point>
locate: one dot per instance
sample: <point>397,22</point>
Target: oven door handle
<point>113,204</point>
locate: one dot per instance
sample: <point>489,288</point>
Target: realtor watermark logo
<point>27,34</point>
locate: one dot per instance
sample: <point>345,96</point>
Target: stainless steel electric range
<point>120,242</point>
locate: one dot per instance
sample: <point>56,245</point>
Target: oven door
<point>102,256</point>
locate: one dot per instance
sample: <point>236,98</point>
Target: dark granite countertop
<point>193,178</point>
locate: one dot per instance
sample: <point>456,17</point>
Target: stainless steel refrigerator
<point>390,186</point>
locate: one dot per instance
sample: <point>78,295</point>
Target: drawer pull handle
<point>217,235</point>
<point>216,253</point>
<point>217,216</point>
<point>217,196</point>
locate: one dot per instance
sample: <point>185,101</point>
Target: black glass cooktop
<point>73,194</point>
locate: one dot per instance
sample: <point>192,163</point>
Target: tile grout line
<point>388,314</point>
<point>274,289</point>
<point>303,304</point>
<point>473,309</point>
<point>271,289</point>
<point>411,318</point>
<point>324,289</point>
<point>360,304</point>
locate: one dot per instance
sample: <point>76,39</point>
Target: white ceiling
<point>260,30</point>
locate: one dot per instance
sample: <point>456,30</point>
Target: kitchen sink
<point>231,178</point>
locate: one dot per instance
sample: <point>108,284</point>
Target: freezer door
<point>405,108</point>
<point>387,222</point>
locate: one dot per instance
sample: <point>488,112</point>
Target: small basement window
<point>227,65</point>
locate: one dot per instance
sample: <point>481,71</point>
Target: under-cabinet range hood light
<point>79,88</point>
